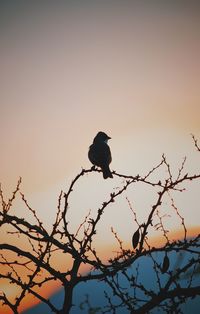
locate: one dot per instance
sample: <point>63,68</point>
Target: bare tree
<point>39,266</point>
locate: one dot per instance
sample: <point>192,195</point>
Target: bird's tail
<point>107,173</point>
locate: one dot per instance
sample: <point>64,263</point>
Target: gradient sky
<point>72,68</point>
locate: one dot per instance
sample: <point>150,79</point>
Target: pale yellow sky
<point>71,70</point>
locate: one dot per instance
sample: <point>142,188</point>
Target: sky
<point>72,68</point>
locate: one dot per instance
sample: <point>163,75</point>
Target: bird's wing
<point>100,154</point>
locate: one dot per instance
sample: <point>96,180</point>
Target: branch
<point>27,287</point>
<point>195,142</point>
<point>16,222</point>
<point>164,295</point>
<point>38,262</point>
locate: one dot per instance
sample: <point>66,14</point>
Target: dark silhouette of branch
<point>195,142</point>
<point>163,295</point>
<point>36,260</point>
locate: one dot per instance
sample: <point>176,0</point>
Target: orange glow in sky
<point>69,70</point>
<point>105,253</point>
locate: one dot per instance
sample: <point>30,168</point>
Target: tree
<point>39,261</point>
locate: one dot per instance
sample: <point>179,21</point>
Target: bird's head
<point>101,137</point>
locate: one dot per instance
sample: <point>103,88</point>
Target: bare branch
<point>122,271</point>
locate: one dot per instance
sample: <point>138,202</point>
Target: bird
<point>100,155</point>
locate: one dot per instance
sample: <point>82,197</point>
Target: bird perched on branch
<point>100,155</point>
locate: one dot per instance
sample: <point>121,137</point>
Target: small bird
<point>100,155</point>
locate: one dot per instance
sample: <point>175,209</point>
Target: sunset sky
<point>72,68</point>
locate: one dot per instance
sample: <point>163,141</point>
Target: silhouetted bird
<point>99,154</point>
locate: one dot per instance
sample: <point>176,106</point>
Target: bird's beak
<point>109,138</point>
